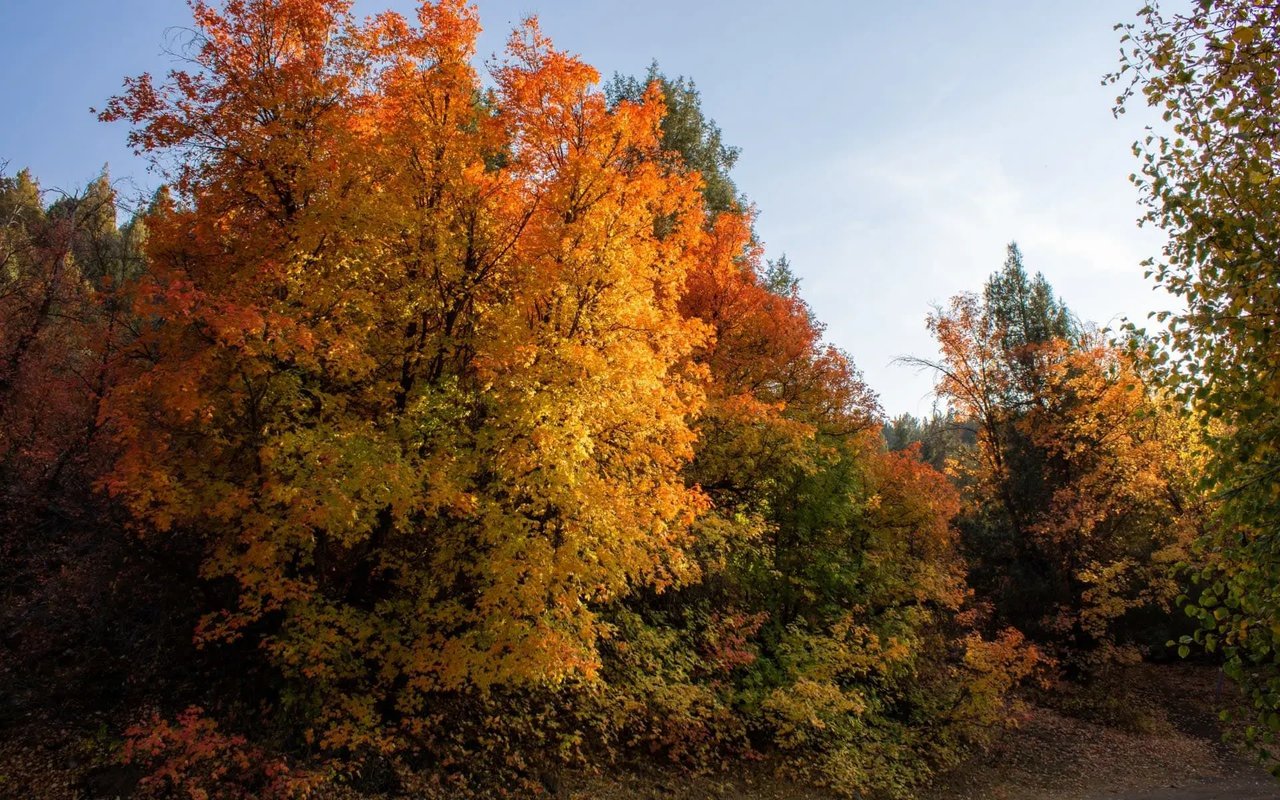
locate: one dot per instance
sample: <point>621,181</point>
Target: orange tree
<point>492,438</point>
<point>1081,491</point>
<point>415,375</point>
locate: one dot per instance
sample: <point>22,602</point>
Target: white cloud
<point>909,223</point>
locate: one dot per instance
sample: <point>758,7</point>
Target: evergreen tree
<point>688,133</point>
<point>1024,313</point>
<point>943,437</point>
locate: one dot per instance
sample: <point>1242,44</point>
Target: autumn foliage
<point>1082,494</point>
<point>482,440</point>
<point>425,412</point>
<point>1207,178</point>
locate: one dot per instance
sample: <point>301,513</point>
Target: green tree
<point>943,436</point>
<point>1026,313</point>
<point>1210,178</point>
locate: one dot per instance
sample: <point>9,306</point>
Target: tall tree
<point>1210,178</point>
<point>1079,492</point>
<point>417,381</point>
<point>1027,314</point>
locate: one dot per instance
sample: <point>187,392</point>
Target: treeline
<point>428,432</point>
<point>480,434</point>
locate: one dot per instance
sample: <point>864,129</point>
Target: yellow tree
<point>1122,460</point>
<point>1208,178</point>
<point>416,379</point>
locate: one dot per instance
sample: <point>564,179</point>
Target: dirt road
<point>1236,788</point>
<point>1161,742</point>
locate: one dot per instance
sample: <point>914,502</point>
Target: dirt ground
<point>1163,741</point>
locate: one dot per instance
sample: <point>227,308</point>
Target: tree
<point>416,380</point>
<point>1027,314</point>
<point>1080,491</point>
<point>1122,462</point>
<point>688,134</point>
<point>1209,179</point>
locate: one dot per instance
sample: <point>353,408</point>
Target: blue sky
<point>893,149</point>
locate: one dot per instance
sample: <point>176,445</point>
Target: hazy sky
<point>893,149</point>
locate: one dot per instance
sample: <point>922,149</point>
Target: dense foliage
<point>445,430</point>
<point>476,428</point>
<point>1208,178</point>
<point>1081,489</point>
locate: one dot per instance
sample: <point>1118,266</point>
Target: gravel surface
<point>1230,788</point>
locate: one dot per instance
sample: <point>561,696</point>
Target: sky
<point>891,149</point>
